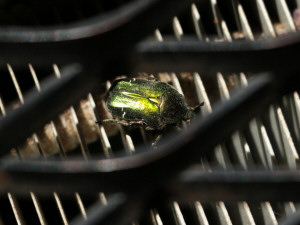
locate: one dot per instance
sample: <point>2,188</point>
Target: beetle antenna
<point>197,108</point>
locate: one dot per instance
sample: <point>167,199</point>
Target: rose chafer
<point>150,103</point>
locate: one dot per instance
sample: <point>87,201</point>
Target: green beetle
<point>150,103</point>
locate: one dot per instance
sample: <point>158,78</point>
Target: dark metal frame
<point>173,154</point>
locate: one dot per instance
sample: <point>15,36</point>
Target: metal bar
<point>155,218</point>
<point>221,25</point>
<point>194,55</point>
<point>13,152</point>
<point>201,214</point>
<point>29,119</point>
<point>2,108</point>
<point>74,119</point>
<point>285,15</point>
<point>246,216</point>
<point>38,209</point>
<point>219,151</point>
<point>80,137</point>
<point>86,40</point>
<point>16,84</point>
<point>52,126</point>
<point>238,147</point>
<point>268,29</point>
<point>127,141</point>
<point>293,219</point>
<point>100,129</point>
<point>61,209</point>
<point>177,29</point>
<point>177,214</point>
<point>119,210</point>
<point>220,207</point>
<point>235,186</point>
<point>217,21</point>
<point>102,198</point>
<point>197,22</point>
<point>244,22</point>
<point>268,213</point>
<point>259,135</point>
<point>289,208</point>
<point>290,153</point>
<point>158,35</point>
<point>32,145</point>
<point>222,213</point>
<point>16,210</point>
<point>81,206</point>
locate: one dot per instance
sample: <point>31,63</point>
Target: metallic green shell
<point>155,103</point>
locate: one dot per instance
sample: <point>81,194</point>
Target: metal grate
<point>269,141</point>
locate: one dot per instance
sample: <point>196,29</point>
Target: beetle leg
<point>108,120</point>
<point>152,77</point>
<point>122,122</point>
<point>137,122</point>
<point>156,140</point>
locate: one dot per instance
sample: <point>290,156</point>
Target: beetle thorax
<point>173,108</point>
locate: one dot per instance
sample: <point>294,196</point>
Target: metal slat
<point>31,147</point>
<point>206,109</point>
<point>178,214</point>
<point>102,198</point>
<point>269,153</point>
<point>61,209</point>
<point>100,129</point>
<point>13,202</point>
<point>245,213</point>
<point>219,153</point>
<point>2,108</point>
<point>289,149</point>
<point>155,218</point>
<point>267,27</point>
<point>285,16</point>
<point>201,214</point>
<point>268,213</point>
<point>239,150</point>
<point>222,212</point>
<point>296,114</point>
<point>289,208</point>
<point>177,29</point>
<point>57,199</point>
<point>282,137</point>
<point>244,22</point>
<point>197,23</point>
<point>82,142</point>
<point>243,208</point>
<point>158,35</point>
<point>16,210</point>
<point>259,135</point>
<point>51,127</point>
<point>81,206</point>
<point>75,123</point>
<point>220,24</point>
<point>38,209</point>
<point>13,152</point>
<point>268,150</point>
